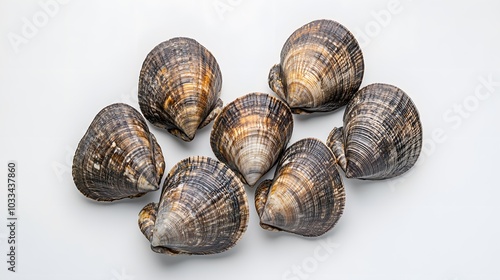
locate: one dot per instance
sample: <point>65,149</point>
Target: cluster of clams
<point>203,207</point>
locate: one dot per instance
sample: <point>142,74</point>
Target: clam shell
<point>321,67</point>
<point>250,134</point>
<point>203,210</point>
<point>306,196</point>
<point>117,157</point>
<point>179,87</point>
<point>382,134</point>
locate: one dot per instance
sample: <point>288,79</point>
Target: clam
<point>250,134</point>
<point>306,196</point>
<point>117,157</point>
<point>179,87</point>
<point>203,210</point>
<point>321,67</point>
<point>382,134</point>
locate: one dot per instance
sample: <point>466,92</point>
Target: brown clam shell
<point>306,196</point>
<point>382,134</point>
<point>250,134</point>
<point>118,156</point>
<point>179,87</point>
<point>203,210</point>
<point>321,67</point>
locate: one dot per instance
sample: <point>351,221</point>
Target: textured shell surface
<point>250,134</point>
<point>320,69</point>
<point>118,156</point>
<point>306,195</point>
<point>203,210</point>
<point>382,134</point>
<point>179,87</point>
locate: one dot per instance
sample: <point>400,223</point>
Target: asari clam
<point>179,87</point>
<point>321,67</point>
<point>382,134</point>
<point>203,207</point>
<point>250,134</point>
<point>203,210</point>
<point>118,156</point>
<point>306,196</point>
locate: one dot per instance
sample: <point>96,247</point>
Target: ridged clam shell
<point>382,134</point>
<point>250,134</point>
<point>306,196</point>
<point>117,157</point>
<point>203,210</point>
<point>179,87</point>
<point>321,67</point>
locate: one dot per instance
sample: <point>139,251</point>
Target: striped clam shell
<point>117,157</point>
<point>321,67</point>
<point>306,196</point>
<point>382,134</point>
<point>203,210</point>
<point>250,134</point>
<point>179,87</point>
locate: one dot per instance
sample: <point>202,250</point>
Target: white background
<point>439,221</point>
